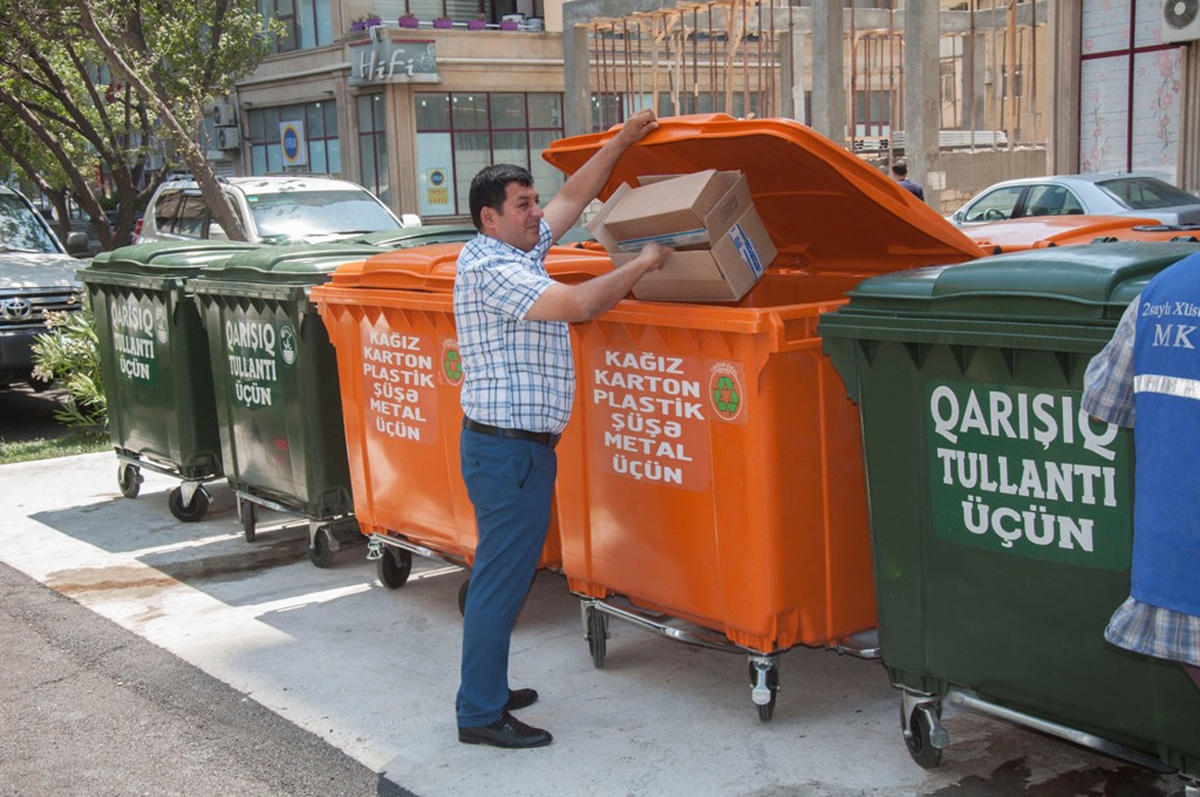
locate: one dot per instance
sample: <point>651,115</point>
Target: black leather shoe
<point>520,698</point>
<point>508,731</point>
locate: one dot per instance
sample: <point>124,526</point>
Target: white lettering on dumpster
<point>1027,471</point>
<point>399,385</point>
<point>649,420</point>
<point>252,361</point>
<point>133,339</point>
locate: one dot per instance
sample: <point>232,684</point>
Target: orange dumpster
<point>711,487</point>
<point>391,320</point>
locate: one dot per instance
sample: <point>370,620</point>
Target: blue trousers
<point>511,484</point>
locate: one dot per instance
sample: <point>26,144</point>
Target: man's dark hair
<point>900,169</point>
<point>490,187</point>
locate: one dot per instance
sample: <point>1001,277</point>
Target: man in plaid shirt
<point>1147,376</point>
<point>518,388</point>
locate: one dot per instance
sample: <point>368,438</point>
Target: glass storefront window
<point>458,134</point>
<point>324,148</point>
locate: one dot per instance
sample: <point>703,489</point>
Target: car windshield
<point>20,228</point>
<point>300,214</point>
<point>1144,193</point>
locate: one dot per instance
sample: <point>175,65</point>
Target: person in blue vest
<point>518,388</point>
<point>1148,378</point>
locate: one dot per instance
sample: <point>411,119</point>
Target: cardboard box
<point>709,217</point>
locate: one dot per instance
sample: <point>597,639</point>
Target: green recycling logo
<point>725,392</point>
<point>452,363</point>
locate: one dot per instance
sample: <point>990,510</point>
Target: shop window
<point>460,133</point>
<point>372,146</point>
<point>320,147</point>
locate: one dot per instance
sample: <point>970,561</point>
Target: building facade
<point>411,97</point>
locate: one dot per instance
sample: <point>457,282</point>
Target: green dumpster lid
<point>285,264</point>
<point>418,236</point>
<point>1081,282</point>
<point>165,258</point>
<point>826,209</point>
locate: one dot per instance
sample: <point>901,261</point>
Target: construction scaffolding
<point>740,57</point>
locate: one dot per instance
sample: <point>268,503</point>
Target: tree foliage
<point>97,83</point>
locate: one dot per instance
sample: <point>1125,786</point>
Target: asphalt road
<point>91,708</point>
<point>26,414</point>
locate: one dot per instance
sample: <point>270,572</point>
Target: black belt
<point>545,438</point>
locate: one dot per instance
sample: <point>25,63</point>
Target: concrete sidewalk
<point>372,672</point>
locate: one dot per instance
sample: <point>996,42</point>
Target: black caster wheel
<point>766,710</point>
<point>129,479</point>
<point>321,550</point>
<point>918,732</point>
<point>394,566</point>
<point>462,596</point>
<point>191,512</point>
<point>597,631</point>
<point>248,514</point>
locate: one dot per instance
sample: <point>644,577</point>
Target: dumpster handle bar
<point>863,645</point>
<point>377,541</point>
<point>970,700</point>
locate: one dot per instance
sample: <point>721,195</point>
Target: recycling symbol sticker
<point>287,344</point>
<point>725,391</point>
<point>452,363</point>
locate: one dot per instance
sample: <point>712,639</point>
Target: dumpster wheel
<point>320,552</point>
<point>394,566</point>
<point>597,635</point>
<point>921,725</point>
<point>764,685</point>
<point>129,479</point>
<point>193,510</point>
<point>248,514</point>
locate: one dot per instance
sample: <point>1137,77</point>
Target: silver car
<point>37,275</point>
<point>273,209</point>
<point>1108,194</point>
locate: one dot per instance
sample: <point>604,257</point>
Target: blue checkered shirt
<point>1108,395</point>
<point>517,374</point>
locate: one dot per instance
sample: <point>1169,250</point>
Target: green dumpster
<point>1001,516</point>
<point>417,236</point>
<point>278,404</point>
<point>154,363</point>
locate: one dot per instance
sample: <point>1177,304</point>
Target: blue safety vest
<point>1166,511</point>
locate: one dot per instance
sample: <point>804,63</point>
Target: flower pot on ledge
<point>443,23</point>
<point>476,24</point>
<point>409,22</point>
<point>508,24</point>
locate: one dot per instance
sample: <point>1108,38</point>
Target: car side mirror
<point>77,244</point>
<point>957,216</point>
<point>410,220</point>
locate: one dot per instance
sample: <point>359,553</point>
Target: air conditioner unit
<point>1181,20</point>
<point>224,114</point>
<point>227,138</point>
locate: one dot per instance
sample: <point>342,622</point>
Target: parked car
<point>37,275</point>
<point>273,209</point>
<point>1109,194</point>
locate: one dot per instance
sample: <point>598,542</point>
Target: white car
<point>273,209</point>
<point>1111,194</point>
<point>37,275</point>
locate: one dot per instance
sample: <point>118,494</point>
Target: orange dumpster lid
<point>826,209</point>
<point>1013,235</point>
<point>433,267</point>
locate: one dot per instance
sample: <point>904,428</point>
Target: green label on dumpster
<point>138,331</point>
<point>1026,472</point>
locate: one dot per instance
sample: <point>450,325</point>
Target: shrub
<point>68,355</point>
